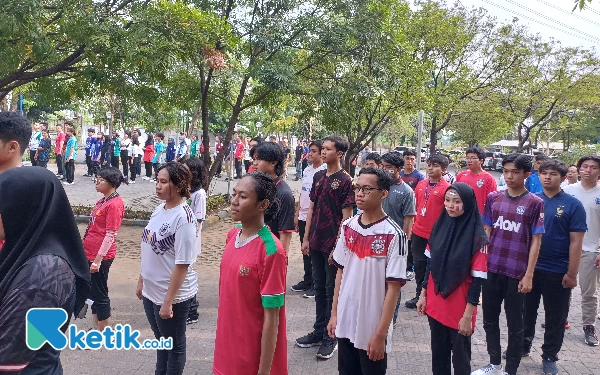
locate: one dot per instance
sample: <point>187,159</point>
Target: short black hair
<point>70,123</point>
<point>384,180</point>
<point>160,135</point>
<point>374,156</point>
<point>269,151</point>
<point>14,127</point>
<point>440,160</point>
<point>113,176</point>
<point>520,161</point>
<point>393,158</point>
<point>409,153</point>
<point>91,130</point>
<point>540,157</point>
<point>572,165</point>
<point>555,165</point>
<point>317,143</point>
<point>179,175</point>
<point>258,140</point>
<point>476,150</point>
<point>340,143</point>
<point>198,171</point>
<point>265,188</point>
<point>586,158</point>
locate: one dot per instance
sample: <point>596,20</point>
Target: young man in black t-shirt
<point>298,160</point>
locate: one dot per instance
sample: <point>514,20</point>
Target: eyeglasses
<point>364,189</point>
<point>99,181</point>
<point>473,158</point>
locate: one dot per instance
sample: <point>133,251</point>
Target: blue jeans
<point>169,362</point>
<point>324,281</point>
<point>299,170</point>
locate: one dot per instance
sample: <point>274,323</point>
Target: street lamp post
<point>108,119</point>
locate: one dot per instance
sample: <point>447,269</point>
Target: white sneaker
<point>145,178</point>
<point>489,370</point>
<point>132,181</point>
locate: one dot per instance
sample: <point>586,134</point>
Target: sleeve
<point>492,185</point>
<point>427,272</point>
<point>200,206</point>
<point>285,219</point>
<point>527,184</point>
<point>459,177</point>
<point>395,270</point>
<point>109,238</point>
<point>487,211</point>
<point>348,194</point>
<point>409,208</point>
<point>341,250</point>
<point>537,218</point>
<point>272,282</point>
<point>313,190</point>
<point>185,243</point>
<point>114,217</point>
<point>479,264</point>
<point>474,291</point>
<point>47,145</point>
<point>578,222</point>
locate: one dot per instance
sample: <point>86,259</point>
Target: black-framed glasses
<point>364,189</point>
<point>99,181</point>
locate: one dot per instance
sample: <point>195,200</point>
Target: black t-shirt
<point>45,281</point>
<point>283,221</point>
<point>299,152</point>
<point>286,151</point>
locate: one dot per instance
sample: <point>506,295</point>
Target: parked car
<point>400,149</point>
<point>489,162</point>
<point>498,162</point>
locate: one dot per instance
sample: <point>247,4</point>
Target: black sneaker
<point>328,347</point>
<point>191,321</point>
<point>301,286</point>
<point>309,340</point>
<point>549,367</point>
<point>524,353</point>
<point>412,303</point>
<point>590,335</point>
<point>87,175</point>
<point>310,293</point>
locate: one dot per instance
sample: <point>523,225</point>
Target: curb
<point>211,220</point>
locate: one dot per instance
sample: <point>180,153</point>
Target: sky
<point>549,18</point>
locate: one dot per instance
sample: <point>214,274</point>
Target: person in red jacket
<point>148,155</point>
<point>429,194</point>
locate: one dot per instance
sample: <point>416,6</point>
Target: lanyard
<point>428,189</point>
<point>94,210</point>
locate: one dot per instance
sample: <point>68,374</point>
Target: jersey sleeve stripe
<point>401,234</point>
<point>273,301</point>
<point>480,274</point>
<point>13,368</point>
<point>265,234</point>
<point>395,280</point>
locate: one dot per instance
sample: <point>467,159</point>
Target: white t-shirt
<point>591,202</point>
<point>197,203</point>
<point>169,239</point>
<point>370,256</point>
<point>307,182</point>
<point>138,150</point>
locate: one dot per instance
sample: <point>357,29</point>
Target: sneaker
<point>132,181</point>
<point>301,286</point>
<point>412,303</point>
<point>327,348</point>
<point>549,367</point>
<point>410,275</point>
<point>489,370</point>
<point>310,293</point>
<point>145,178</point>
<point>309,340</point>
<point>590,335</point>
<point>191,321</point>
<point>524,353</point>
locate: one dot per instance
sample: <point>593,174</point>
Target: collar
<point>399,181</point>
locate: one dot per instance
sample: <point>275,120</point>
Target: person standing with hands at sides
<point>107,152</point>
<point>182,150</point>
<point>514,221</point>
<point>314,156</point>
<point>171,150</point>
<point>90,145</point>
<point>332,202</point>
<point>42,262</point>
<point>97,155</point>
<point>100,241</point>
<point>557,265</point>
<point>197,203</point>
<point>252,286</point>
<point>399,205</point>
<point>370,257</point>
<point>410,174</point>
<point>58,150</point>
<point>239,155</point>
<point>159,153</point>
<point>429,196</point>
<point>299,153</point>
<point>126,152</point>
<point>116,147</point>
<point>148,155</point>
<point>167,280</point>
<point>588,192</point>
<point>70,155</point>
<point>194,147</point>
<point>34,143</point>
<point>533,183</point>
<point>482,182</point>
<point>134,160</point>
<point>456,268</point>
<point>268,158</point>
<point>42,155</point>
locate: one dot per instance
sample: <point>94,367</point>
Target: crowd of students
<point>468,239</point>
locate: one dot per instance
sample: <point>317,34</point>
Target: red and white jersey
<point>370,256</point>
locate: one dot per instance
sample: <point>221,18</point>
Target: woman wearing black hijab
<point>456,267</point>
<point>42,264</point>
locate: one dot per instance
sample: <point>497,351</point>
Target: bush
<point>577,152</point>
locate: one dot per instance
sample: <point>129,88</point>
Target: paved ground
<point>411,349</point>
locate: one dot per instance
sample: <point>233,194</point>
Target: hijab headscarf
<point>171,149</point>
<point>454,241</point>
<point>38,219</point>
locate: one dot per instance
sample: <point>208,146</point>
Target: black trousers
<point>32,158</point>
<point>99,291</point>
<point>88,162</point>
<point>409,258</point>
<point>43,164</point>
<point>125,162</point>
<point>59,164</point>
<point>446,341</point>
<point>148,166</point>
<point>238,168</point>
<point>114,161</point>
<point>308,278</point>
<point>496,290</point>
<point>324,281</point>
<point>135,167</point>
<point>247,164</point>
<point>95,168</point>
<point>353,361</point>
<point>418,245</point>
<point>70,170</point>
<point>556,305</point>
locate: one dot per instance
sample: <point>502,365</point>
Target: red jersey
<point>148,153</point>
<point>239,150</point>
<point>450,311</point>
<point>105,216</point>
<point>60,138</point>
<point>252,278</point>
<point>430,203</point>
<point>482,183</point>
